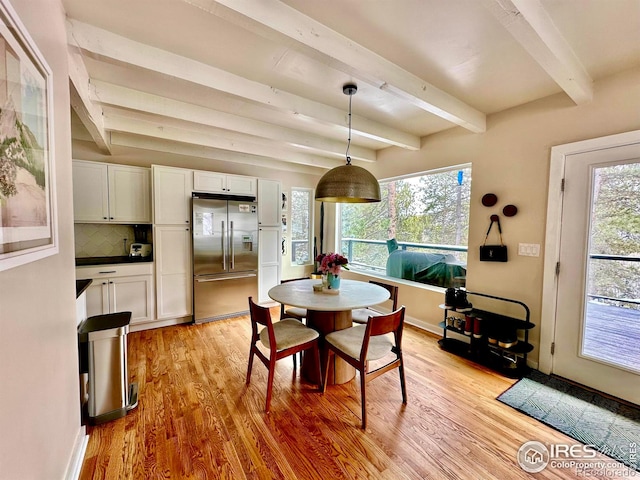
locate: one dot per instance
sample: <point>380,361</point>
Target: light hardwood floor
<point>196,418</point>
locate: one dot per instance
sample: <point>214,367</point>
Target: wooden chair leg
<point>403,385</point>
<point>250,365</point>
<point>272,371</point>
<point>327,356</point>
<point>363,394</point>
<point>316,354</point>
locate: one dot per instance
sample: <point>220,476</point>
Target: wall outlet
<point>529,249</point>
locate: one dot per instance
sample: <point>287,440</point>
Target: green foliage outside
<point>430,209</point>
<point>615,230</point>
<point>300,226</point>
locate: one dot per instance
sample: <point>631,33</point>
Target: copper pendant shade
<point>348,183</point>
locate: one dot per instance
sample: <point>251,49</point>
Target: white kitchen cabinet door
<point>110,193</point>
<point>172,195</point>
<point>129,194</point>
<point>269,202</point>
<point>122,294</point>
<point>98,297</point>
<point>173,271</point>
<point>133,294</point>
<point>241,185</point>
<point>270,257</point>
<point>90,192</point>
<point>210,182</point>
<point>213,182</point>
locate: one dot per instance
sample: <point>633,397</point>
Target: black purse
<point>493,253</point>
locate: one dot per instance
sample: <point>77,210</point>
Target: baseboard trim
<point>136,327</point>
<point>77,456</point>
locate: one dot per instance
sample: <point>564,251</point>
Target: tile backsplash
<point>102,240</point>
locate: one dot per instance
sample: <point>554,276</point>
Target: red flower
<point>332,262</point>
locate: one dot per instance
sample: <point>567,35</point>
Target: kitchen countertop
<point>81,286</point>
<point>83,262</point>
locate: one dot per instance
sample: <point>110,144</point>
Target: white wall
<point>39,392</point>
<point>512,160</point>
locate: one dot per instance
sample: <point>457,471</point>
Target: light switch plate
<point>529,249</point>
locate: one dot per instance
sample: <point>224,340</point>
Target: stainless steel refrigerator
<point>225,255</point>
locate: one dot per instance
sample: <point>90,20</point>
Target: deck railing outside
<point>380,252</point>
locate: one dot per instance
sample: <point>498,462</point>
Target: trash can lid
<point>104,322</point>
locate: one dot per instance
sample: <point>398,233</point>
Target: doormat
<point>612,427</point>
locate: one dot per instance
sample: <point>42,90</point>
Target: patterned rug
<point>589,417</point>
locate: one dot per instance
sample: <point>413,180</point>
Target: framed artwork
<point>28,220</point>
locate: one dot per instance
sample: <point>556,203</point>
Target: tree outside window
<point>420,212</point>
<point>301,225</point>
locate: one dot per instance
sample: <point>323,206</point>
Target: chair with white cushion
<point>282,339</point>
<point>362,344</point>
<point>293,312</point>
<point>361,315</point>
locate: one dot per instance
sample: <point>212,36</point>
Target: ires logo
<point>533,456</point>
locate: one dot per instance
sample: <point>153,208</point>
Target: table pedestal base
<point>325,323</point>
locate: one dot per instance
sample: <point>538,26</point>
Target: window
<point>417,232</point>
<point>301,225</point>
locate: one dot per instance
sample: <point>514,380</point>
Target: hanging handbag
<point>493,253</point>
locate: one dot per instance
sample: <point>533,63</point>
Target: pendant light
<point>348,183</point>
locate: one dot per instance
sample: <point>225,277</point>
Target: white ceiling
<point>260,81</point>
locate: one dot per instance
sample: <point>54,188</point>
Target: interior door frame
<point>559,155</point>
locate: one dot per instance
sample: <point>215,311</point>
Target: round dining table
<point>328,312</point>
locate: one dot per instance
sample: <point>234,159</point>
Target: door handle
<point>224,248</point>
<point>201,280</point>
<point>231,242</point>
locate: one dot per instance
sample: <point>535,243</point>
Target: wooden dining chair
<point>362,344</point>
<point>361,315</point>
<point>293,312</point>
<point>282,339</point>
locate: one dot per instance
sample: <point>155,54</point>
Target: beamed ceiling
<point>260,81</point>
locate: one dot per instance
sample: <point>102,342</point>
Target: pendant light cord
<point>349,139</point>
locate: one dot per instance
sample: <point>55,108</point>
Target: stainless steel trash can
<point>102,341</point>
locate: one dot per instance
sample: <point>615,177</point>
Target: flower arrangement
<point>331,263</point>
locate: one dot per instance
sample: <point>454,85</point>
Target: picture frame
<point>28,209</point>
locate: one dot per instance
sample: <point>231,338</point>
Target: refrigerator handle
<point>231,242</point>
<point>224,248</point>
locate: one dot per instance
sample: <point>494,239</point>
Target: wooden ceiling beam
<point>89,113</point>
<point>178,148</point>
<point>114,95</point>
<point>212,139</point>
<point>119,49</point>
<point>533,28</point>
<point>348,56</point>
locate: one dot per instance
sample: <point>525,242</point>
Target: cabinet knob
<point>110,218</point>
<point>105,218</point>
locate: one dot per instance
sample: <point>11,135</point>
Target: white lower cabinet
<point>172,247</point>
<point>120,288</point>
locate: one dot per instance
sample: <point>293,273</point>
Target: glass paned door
<point>597,324</point>
<point>611,332</point>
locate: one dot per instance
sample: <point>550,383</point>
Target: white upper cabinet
<point>212,182</point>
<point>111,193</point>
<point>171,195</point>
<point>269,202</point>
<point>90,192</point>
